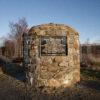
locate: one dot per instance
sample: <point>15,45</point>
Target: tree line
<point>13,45</point>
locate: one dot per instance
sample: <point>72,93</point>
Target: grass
<point>96,63</point>
<point>92,74</point>
<point>13,89</point>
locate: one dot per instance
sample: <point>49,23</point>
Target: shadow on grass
<point>90,73</point>
<point>92,84</point>
<point>73,93</point>
<point>12,69</point>
<point>91,78</point>
<point>12,89</point>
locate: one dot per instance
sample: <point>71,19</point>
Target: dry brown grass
<point>12,89</point>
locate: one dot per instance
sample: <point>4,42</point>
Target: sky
<point>82,15</point>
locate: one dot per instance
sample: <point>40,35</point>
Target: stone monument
<point>54,59</point>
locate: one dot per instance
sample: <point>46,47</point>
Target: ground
<point>13,88</point>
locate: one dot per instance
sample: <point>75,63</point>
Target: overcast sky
<point>83,15</point>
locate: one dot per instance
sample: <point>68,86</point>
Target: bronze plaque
<point>53,45</point>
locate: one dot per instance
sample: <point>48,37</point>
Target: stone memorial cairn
<point>53,56</point>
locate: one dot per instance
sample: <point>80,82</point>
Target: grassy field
<point>87,89</point>
<point>12,86</point>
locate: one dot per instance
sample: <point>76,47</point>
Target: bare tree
<point>16,31</point>
<point>9,48</point>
